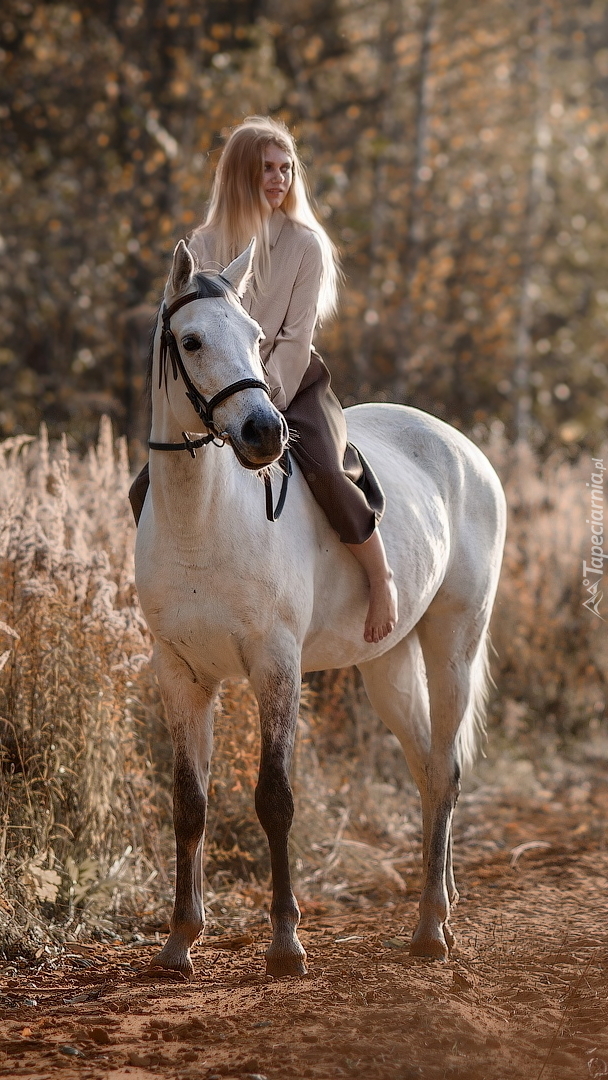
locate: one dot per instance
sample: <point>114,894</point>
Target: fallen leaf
<point>237,941</point>
<point>395,942</point>
<point>530,845</point>
<point>162,973</point>
<point>99,1035</point>
<point>71,1051</point>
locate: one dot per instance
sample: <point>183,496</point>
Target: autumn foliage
<point>457,155</point>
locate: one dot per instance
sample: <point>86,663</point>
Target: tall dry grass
<point>74,799</point>
<point>85,837</point>
<point>552,662</point>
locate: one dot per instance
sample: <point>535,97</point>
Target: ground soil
<point>524,995</point>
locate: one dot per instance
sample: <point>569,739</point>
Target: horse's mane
<point>208,287</point>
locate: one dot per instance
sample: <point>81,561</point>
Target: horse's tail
<point>473,727</point>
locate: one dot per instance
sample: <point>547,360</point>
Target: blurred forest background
<point>458,155</point>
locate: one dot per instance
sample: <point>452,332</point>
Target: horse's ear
<point>182,269</point>
<point>239,270</point>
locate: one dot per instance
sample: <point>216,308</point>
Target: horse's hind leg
<point>277,688</point>
<point>396,686</point>
<point>452,642</point>
<point>189,707</point>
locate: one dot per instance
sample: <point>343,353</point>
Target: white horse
<point>228,593</point>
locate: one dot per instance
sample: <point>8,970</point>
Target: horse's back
<point>390,434</point>
<point>408,447</point>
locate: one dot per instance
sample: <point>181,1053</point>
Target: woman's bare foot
<point>383,612</point>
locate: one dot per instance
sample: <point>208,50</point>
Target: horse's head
<point>210,360</point>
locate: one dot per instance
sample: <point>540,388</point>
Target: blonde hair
<point>238,209</point>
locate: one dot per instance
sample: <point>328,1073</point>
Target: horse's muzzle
<point>261,440</point>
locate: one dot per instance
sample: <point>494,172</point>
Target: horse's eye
<point>191,343</point>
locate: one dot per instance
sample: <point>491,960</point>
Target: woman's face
<point>277,175</point>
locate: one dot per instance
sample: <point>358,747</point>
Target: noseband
<point>169,350</point>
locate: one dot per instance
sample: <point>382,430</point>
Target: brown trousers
<point>341,480</point>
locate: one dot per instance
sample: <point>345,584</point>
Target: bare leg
<point>383,613</point>
<point>278,693</point>
<point>189,709</point>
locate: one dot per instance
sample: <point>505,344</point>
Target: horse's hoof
<point>449,937</point>
<point>287,964</point>
<point>435,948</point>
<point>173,959</point>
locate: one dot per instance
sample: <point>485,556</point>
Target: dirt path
<point>524,997</point>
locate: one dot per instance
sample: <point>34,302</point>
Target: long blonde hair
<point>238,209</point>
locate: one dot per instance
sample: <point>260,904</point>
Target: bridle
<point>169,350</point>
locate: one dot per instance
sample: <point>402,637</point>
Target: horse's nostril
<point>261,431</point>
<point>251,431</point>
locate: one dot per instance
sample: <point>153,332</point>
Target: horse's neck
<point>185,492</point>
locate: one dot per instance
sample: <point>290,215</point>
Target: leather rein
<point>169,350</point>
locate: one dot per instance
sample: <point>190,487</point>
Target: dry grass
<point>85,798</point>
<point>552,662</point>
<point>73,803</point>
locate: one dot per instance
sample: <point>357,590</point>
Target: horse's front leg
<point>277,688</point>
<point>189,707</point>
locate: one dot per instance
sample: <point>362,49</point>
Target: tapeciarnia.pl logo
<point>593,571</point>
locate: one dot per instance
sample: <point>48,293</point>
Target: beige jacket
<point>287,312</point>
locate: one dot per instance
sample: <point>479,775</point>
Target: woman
<point>259,190</point>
